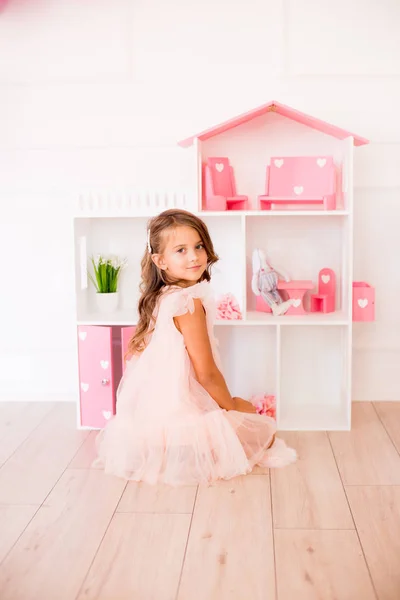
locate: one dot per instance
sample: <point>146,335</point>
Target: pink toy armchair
<point>219,190</point>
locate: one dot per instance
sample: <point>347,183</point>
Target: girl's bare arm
<point>193,327</point>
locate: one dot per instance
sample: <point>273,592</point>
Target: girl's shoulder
<point>177,301</point>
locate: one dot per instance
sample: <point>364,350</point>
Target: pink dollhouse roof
<point>283,110</point>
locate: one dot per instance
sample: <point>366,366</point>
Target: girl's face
<point>184,257</point>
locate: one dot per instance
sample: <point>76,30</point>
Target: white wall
<point>94,96</point>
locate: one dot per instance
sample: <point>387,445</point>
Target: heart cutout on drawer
<point>326,278</point>
<point>278,162</point>
<point>219,167</point>
<point>362,302</point>
<point>84,387</point>
<point>298,189</point>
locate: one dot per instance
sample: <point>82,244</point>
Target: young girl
<point>176,420</point>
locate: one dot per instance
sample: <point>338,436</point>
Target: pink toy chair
<point>324,301</point>
<point>219,190</point>
<point>301,181</point>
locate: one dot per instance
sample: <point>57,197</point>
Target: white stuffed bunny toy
<point>265,283</point>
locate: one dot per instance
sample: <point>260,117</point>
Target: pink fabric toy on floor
<point>228,308</point>
<point>265,404</point>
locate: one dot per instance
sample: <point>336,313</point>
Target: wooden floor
<point>326,528</point>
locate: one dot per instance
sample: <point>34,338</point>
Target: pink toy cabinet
<point>219,189</point>
<point>100,352</point>
<point>324,301</point>
<point>300,181</point>
<point>363,301</point>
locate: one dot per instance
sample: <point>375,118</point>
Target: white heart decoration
<point>107,414</point>
<point>326,278</point>
<point>321,162</point>
<point>298,189</point>
<point>84,387</point>
<point>296,302</point>
<point>82,335</point>
<point>219,167</point>
<point>104,364</point>
<point>278,162</point>
<point>363,302</point>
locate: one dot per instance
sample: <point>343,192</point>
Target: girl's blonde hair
<point>155,279</point>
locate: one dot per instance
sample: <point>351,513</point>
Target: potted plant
<point>107,272</point>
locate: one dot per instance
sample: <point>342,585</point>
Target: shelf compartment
<point>125,238</point>
<point>251,372</point>
<point>228,240</point>
<point>313,378</point>
<point>251,146</point>
<point>300,249</point>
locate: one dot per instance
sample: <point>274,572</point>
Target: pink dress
<point>167,427</point>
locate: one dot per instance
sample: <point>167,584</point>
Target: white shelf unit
<point>257,350</point>
<point>304,360</point>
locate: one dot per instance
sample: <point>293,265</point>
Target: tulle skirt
<point>187,449</point>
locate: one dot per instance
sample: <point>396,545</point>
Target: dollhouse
<point>273,178</point>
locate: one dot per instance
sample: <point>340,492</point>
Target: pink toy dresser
<point>101,352</point>
<point>363,301</point>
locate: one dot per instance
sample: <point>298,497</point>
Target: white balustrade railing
<point>135,203</point>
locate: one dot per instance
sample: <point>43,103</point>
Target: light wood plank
<point>29,475</point>
<point>230,549</point>
<point>376,512</point>
<point>309,494</point>
<point>13,520</point>
<point>321,565</point>
<point>144,498</point>
<point>230,552</point>
<point>365,455</point>
<point>86,454</point>
<point>140,557</point>
<point>17,421</point>
<point>389,413</point>
<point>140,497</point>
<point>51,558</point>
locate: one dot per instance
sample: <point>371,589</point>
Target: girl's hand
<point>243,405</point>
